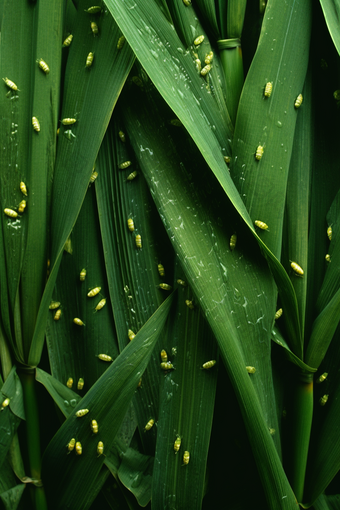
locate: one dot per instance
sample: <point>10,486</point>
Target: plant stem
<point>232,63</point>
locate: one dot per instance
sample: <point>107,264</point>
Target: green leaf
<point>135,472</point>
<point>331,11</point>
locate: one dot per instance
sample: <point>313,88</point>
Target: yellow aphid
<point>101,304</point>
<point>80,384</point>
<point>139,383</point>
<point>5,403</point>
<point>259,152</point>
<point>58,131</point>
<point>271,431</point>
<point>10,84</point>
<point>164,356</point>
<point>100,448</point>
<point>132,176</point>
<point>23,188</point>
<point>323,400</point>
<point>94,28</point>
<point>139,241</point>
<point>261,224</point>
<point>181,282</point>
<point>22,206</point>
<point>120,44</point>
<point>89,59</point>
<point>167,365</point>
<point>78,322</point>
<point>131,225</point>
<point>161,270</point>
<point>251,370</point>
<point>11,213</point>
<point>54,305</point>
<point>199,40</point>
<point>82,275</point>
<point>268,89</point>
<point>209,57</point>
<point>209,364</point>
<point>177,444</point>
<point>296,268</point>
<point>69,383</point>
<point>57,315</point>
<point>149,425</point>
<point>187,3</point>
<point>35,124</point>
<point>329,233</point>
<point>79,449</point>
<point>227,159</point>
<point>322,378</point>
<point>328,257</point>
<point>94,426</point>
<point>105,357</point>
<point>232,242</point>
<point>131,335</point>
<point>165,286</point>
<point>186,458</point>
<point>93,177</point>
<point>278,314</point>
<point>68,40</point>
<point>43,65</point>
<point>189,304</point>
<point>94,292</point>
<point>298,101</point>
<point>124,165</point>
<point>71,444</point>
<point>68,121</point>
<point>206,69</point>
<point>93,10</point>
<point>121,135</point>
<point>68,246</point>
<point>81,412</point>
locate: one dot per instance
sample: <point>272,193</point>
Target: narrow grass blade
<point>331,10</point>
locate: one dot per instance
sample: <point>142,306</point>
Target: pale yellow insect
<point>89,59</point>
<point>57,315</point>
<point>35,124</point>
<point>131,335</point>
<point>71,444</point>
<point>54,305</point>
<point>43,65</point>
<point>101,304</point>
<point>22,206</point>
<point>199,40</point>
<point>94,292</point>
<point>271,431</point>
<point>232,242</point>
<point>81,412</point>
<point>268,89</point>
<point>259,152</point>
<point>167,365</point>
<point>278,314</point>
<point>132,176</point>
<point>93,10</point>
<point>209,364</point>
<point>69,383</point>
<point>11,213</point>
<point>187,3</point>
<point>124,165</point>
<point>80,384</point>
<point>68,246</point>
<point>328,257</point>
<point>206,69</point>
<point>186,458</point>
<point>161,270</point>
<point>78,322</point>
<point>298,101</point>
<point>23,188</point>
<point>5,403</point>
<point>139,241</point>
<point>209,58</point>
<point>251,370</point>
<point>323,400</point>
<point>322,378</point>
<point>164,356</point>
<point>82,275</point>
<point>94,426</point>
<point>329,233</point>
<point>296,268</point>
<point>120,44</point>
<point>68,40</point>
<point>79,449</point>
<point>227,159</point>
<point>165,286</point>
<point>68,121</point>
<point>261,224</point>
<point>94,28</point>
<point>131,225</point>
<point>149,425</point>
<point>93,177</point>
<point>10,84</point>
<point>189,304</point>
<point>181,282</point>
<point>105,357</point>
<point>100,448</point>
<point>177,444</point>
<point>121,135</point>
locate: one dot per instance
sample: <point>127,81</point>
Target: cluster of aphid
<point>329,235</point>
<point>12,213</point>
<point>207,60</point>
<point>73,444</point>
<point>177,443</point>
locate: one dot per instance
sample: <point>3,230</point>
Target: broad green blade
<point>135,473</point>
<point>278,338</point>
<point>331,10</point>
<point>108,401</point>
<point>10,492</point>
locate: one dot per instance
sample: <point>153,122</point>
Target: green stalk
<point>302,413</point>
<point>232,64</point>
<point>27,377</point>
